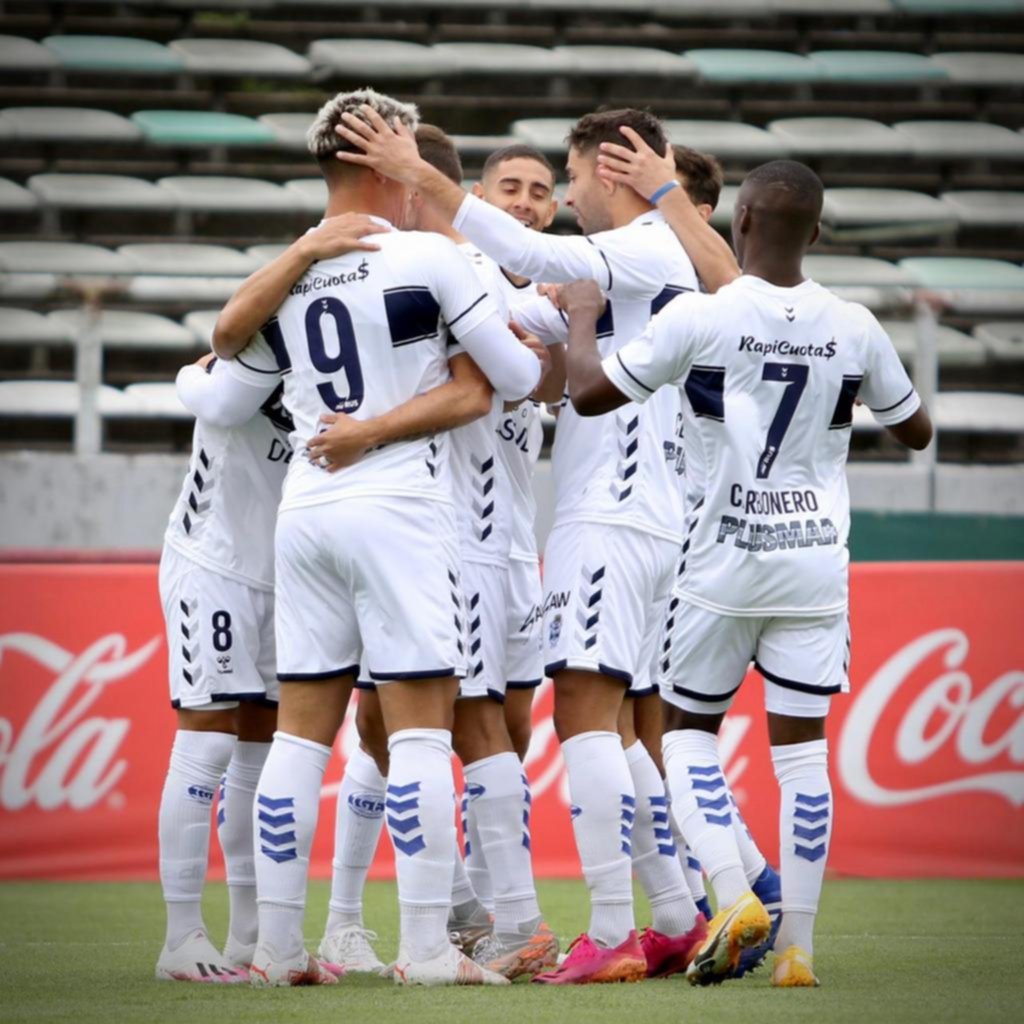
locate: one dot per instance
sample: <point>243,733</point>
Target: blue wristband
<point>664,190</point>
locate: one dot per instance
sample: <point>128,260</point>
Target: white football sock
<point>357,826</point>
<point>603,809</point>
<point>475,863</point>
<point>805,828</point>
<point>754,861</point>
<point>421,822</point>
<point>234,830</point>
<point>197,762</point>
<point>465,905</point>
<point>701,804</point>
<point>499,805</point>
<point>285,814</point>
<point>655,859</point>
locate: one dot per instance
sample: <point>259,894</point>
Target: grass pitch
<point>886,952</point>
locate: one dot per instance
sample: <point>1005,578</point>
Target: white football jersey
<point>480,485</point>
<point>624,467</point>
<point>362,334</point>
<point>224,517</point>
<point>770,376</point>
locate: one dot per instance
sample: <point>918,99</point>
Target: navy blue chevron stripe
<point>812,816</point>
<point>663,833</point>
<point>410,847</point>
<point>811,853</point>
<point>278,804</point>
<point>810,834</point>
<point>277,840</point>
<point>708,785</point>
<point>402,806</point>
<point>280,856</point>
<point>703,769</point>
<point>404,827</point>
<point>411,787</point>
<point>277,820</point>
<point>718,819</point>
<point>715,805</point>
<point>812,801</point>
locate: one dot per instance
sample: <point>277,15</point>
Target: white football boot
<point>197,959</point>
<point>349,947</point>
<point>450,967</point>
<point>268,970</point>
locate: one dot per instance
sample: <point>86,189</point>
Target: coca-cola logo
<point>63,755</point>
<point>950,711</point>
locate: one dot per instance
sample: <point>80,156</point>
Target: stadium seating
<point>128,329</point>
<point>876,66</point>
<point>235,195</point>
<point>838,136</point>
<point>953,139</point>
<point>379,59</point>
<point>17,54</point>
<point>983,208</point>
<point>982,68</point>
<point>953,347</point>
<point>67,124</point>
<point>61,258</point>
<point>882,213</point>
<point>27,327</point>
<point>200,128</point>
<point>239,58</point>
<point>735,66</point>
<point>113,55</point>
<point>1004,340</point>
<point>16,199</point>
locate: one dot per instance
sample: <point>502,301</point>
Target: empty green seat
<point>18,54</point>
<point>233,195</point>
<point>985,208</point>
<point>839,136</point>
<point>113,55</point>
<point>830,7</point>
<point>953,347</point>
<point>27,327</point>
<point>201,128</point>
<point>887,212</point>
<point>855,271</point>
<point>1004,340</point>
<point>726,139</point>
<point>289,129</point>
<point>962,140</point>
<point>375,59</point>
<point>983,68</point>
<point>60,258</point>
<point>959,6</point>
<point>127,329</point>
<point>963,272</point>
<point>502,59</point>
<point>640,61</point>
<point>98,192</point>
<point>876,66</point>
<point>239,58</point>
<point>16,199</point>
<point>716,65</point>
<point>67,124</point>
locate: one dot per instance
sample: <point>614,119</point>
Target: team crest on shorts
<point>224,664</point>
<point>555,630</point>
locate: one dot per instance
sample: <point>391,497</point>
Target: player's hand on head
<point>339,444</point>
<point>347,232</point>
<point>581,298</point>
<point>390,149</point>
<point>534,344</point>
<point>642,169</point>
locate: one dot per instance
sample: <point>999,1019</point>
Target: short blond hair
<point>323,141</point>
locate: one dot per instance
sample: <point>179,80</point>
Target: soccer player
<point>367,561</point>
<point>770,366</point>
<point>216,587</point>
<point>611,557</point>
<point>700,177</point>
<point>497,797</point>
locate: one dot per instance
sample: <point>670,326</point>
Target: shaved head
<point>778,208</point>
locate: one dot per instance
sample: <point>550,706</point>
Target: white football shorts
<point>804,660</point>
<point>604,591</point>
<point>373,580</point>
<point>524,651</point>
<point>486,593</point>
<point>220,636</point>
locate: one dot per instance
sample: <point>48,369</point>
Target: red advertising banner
<point>927,751</point>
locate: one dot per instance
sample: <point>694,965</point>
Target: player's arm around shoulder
<point>888,392</point>
<point>590,390</point>
<point>215,395</point>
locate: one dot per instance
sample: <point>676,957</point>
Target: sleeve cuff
<point>900,411</point>
<point>634,389</point>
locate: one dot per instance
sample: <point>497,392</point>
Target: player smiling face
<point>523,187</point>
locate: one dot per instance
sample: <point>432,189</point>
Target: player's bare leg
<point>519,719</point>
<point>255,722</point>
<point>800,756</point>
<point>287,807</point>
<point>419,719</point>
<point>202,749</point>
<point>498,810</point>
<point>587,706</point>
<point>358,822</point>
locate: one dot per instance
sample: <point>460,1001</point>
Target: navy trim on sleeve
<point>256,369</point>
<point>889,408</point>
<point>607,266</point>
<point>632,376</point>
<point>452,323</point>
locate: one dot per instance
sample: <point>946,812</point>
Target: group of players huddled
<point>358,513</point>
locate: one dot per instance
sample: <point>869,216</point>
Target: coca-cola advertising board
<point>927,750</point>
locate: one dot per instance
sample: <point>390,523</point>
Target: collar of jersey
<point>760,284</point>
<point>376,220</point>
